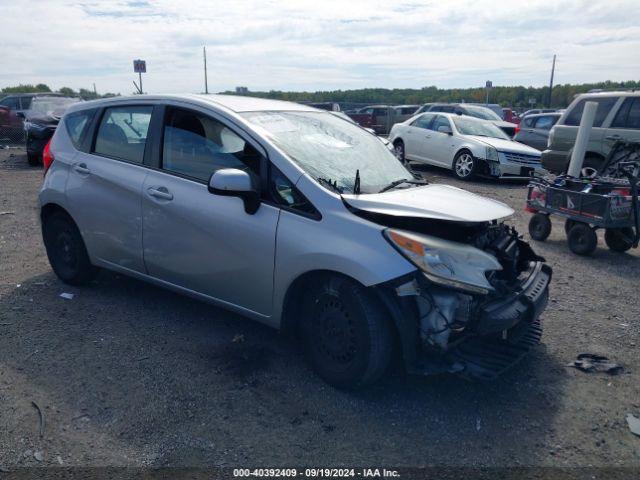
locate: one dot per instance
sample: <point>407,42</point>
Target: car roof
<point>235,103</point>
<point>37,94</point>
<point>612,93</point>
<point>545,114</point>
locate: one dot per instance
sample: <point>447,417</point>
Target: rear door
<point>417,137</point>
<point>538,135</point>
<point>439,145</point>
<point>573,117</point>
<point>626,124</point>
<point>197,240</point>
<point>105,183</point>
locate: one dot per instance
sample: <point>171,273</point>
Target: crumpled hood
<point>440,202</point>
<point>503,145</point>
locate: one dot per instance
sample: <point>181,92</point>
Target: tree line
<point>516,96</point>
<point>83,93</point>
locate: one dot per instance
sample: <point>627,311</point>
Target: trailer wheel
<point>582,239</point>
<point>568,223</point>
<point>540,227</point>
<point>619,239</point>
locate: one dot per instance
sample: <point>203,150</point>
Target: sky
<point>316,45</point>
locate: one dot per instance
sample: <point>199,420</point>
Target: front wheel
<point>464,165</point>
<point>66,250</point>
<point>347,335</point>
<point>540,227</point>
<point>582,239</point>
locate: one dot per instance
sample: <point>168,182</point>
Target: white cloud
<point>312,45</point>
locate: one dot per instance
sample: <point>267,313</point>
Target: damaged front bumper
<point>494,335</point>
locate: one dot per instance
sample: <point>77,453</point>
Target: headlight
<point>446,263</point>
<point>491,154</point>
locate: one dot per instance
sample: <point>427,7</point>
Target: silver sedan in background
<point>466,145</point>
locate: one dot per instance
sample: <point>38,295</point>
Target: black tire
<point>582,239</point>
<point>568,223</point>
<point>66,250</point>
<point>33,159</point>
<point>464,165</point>
<point>398,147</point>
<point>619,239</point>
<point>346,332</point>
<point>540,227</point>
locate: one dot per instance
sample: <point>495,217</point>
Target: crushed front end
<point>473,307</point>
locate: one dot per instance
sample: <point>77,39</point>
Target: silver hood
<point>440,202</point>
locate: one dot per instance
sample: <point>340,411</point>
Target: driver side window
<point>196,145</point>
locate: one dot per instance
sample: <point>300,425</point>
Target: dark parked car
<point>13,109</point>
<point>477,111</point>
<point>534,129</point>
<point>41,121</point>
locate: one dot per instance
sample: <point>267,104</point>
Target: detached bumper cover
<point>489,354</point>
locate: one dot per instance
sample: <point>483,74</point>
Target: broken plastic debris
<point>634,424</point>
<point>68,296</point>
<point>590,363</point>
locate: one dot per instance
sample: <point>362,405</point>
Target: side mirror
<point>20,115</point>
<point>232,182</point>
<point>445,129</point>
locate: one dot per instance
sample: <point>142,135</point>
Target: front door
<point>201,241</point>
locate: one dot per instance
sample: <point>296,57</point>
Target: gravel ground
<point>128,374</point>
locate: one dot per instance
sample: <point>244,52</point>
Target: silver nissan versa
<point>298,219</point>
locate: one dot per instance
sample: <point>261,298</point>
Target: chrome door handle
<point>81,168</point>
<point>161,193</point>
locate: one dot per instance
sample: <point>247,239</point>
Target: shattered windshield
<point>331,150</point>
<point>471,126</point>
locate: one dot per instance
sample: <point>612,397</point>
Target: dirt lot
<point>129,374</point>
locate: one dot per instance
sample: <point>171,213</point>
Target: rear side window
<point>123,133</point>
<point>76,124</point>
<point>545,123</point>
<point>423,121</point>
<point>629,115</point>
<point>11,103</point>
<point>26,102</point>
<point>604,107</point>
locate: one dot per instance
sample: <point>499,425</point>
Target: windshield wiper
<point>356,183</point>
<point>333,185</point>
<point>400,181</point>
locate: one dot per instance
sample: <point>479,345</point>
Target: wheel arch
<point>401,315</point>
<point>50,208</point>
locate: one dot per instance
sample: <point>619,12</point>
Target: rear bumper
<point>555,161</point>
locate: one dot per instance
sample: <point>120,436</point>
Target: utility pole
<point>553,69</point>
<point>206,83</point>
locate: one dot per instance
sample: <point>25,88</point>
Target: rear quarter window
<point>76,124</point>
<point>604,107</point>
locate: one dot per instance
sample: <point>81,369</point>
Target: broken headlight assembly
<point>446,263</point>
<point>491,154</point>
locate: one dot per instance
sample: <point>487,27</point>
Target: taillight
<point>47,157</point>
<point>517,128</point>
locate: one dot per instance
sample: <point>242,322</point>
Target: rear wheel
<point>66,250</point>
<point>346,332</point>
<point>619,239</point>
<point>33,159</point>
<point>582,239</point>
<point>540,227</point>
<point>464,165</point>
<point>398,147</point>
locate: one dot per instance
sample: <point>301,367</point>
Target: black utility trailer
<point>609,202</point>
